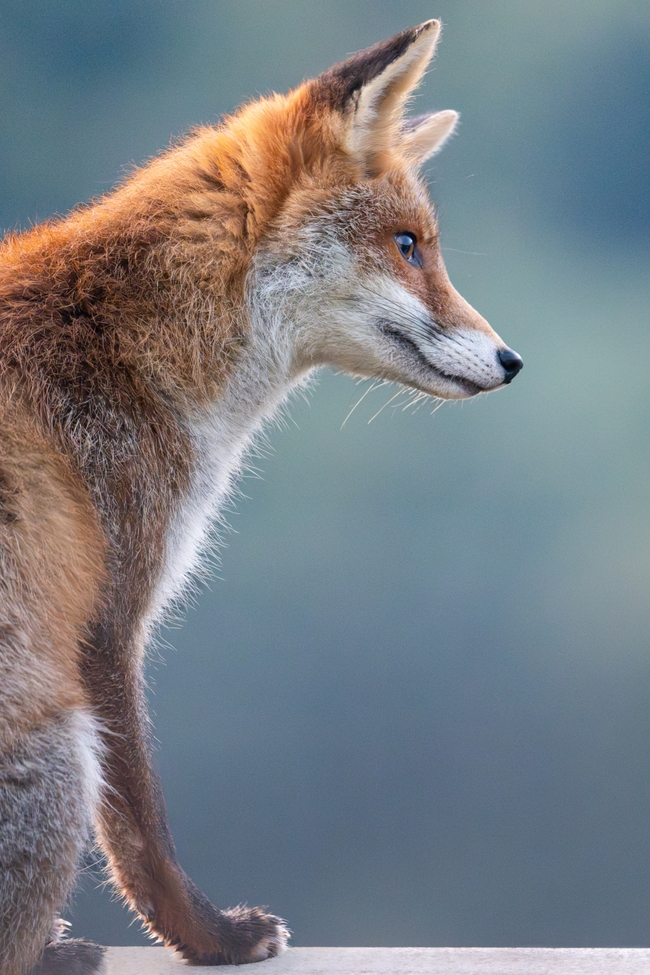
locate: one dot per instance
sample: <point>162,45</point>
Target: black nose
<point>511,362</point>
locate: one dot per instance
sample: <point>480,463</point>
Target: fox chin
<point>144,341</point>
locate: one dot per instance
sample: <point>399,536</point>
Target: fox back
<point>145,340</point>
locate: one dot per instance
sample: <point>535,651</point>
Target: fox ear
<point>425,135</point>
<point>372,88</point>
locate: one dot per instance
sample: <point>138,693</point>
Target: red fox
<point>144,341</point>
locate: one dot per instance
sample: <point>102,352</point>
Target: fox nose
<point>511,362</point>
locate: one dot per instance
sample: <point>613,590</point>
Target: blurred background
<point>412,707</point>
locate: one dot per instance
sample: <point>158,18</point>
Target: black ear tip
<point>338,86</point>
<point>427,25</point>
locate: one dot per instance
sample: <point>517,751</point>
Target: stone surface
<point>405,961</point>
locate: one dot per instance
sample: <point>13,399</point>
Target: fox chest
<point>220,441</point>
<point>194,522</point>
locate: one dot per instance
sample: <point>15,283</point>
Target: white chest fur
<point>221,438</point>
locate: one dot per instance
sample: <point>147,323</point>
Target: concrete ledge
<point>404,961</point>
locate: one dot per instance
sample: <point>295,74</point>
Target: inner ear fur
<point>425,135</point>
<point>371,90</point>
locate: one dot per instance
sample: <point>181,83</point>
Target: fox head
<point>344,261</point>
<point>352,258</point>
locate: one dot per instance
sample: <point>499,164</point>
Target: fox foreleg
<point>134,833</point>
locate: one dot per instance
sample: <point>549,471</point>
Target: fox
<point>145,339</point>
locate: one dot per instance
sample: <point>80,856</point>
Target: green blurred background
<point>414,709</point>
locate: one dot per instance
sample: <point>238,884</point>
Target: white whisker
<point>375,385</point>
<point>398,393</point>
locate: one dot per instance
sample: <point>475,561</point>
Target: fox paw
<point>248,935</point>
<point>70,958</point>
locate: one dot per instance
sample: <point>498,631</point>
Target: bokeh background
<point>413,705</point>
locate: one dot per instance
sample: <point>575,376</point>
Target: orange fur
<point>51,555</point>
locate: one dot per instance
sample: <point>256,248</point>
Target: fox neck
<point>266,371</point>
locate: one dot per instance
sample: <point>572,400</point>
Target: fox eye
<point>407,244</point>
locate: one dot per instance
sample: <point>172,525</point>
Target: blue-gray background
<point>415,708</point>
